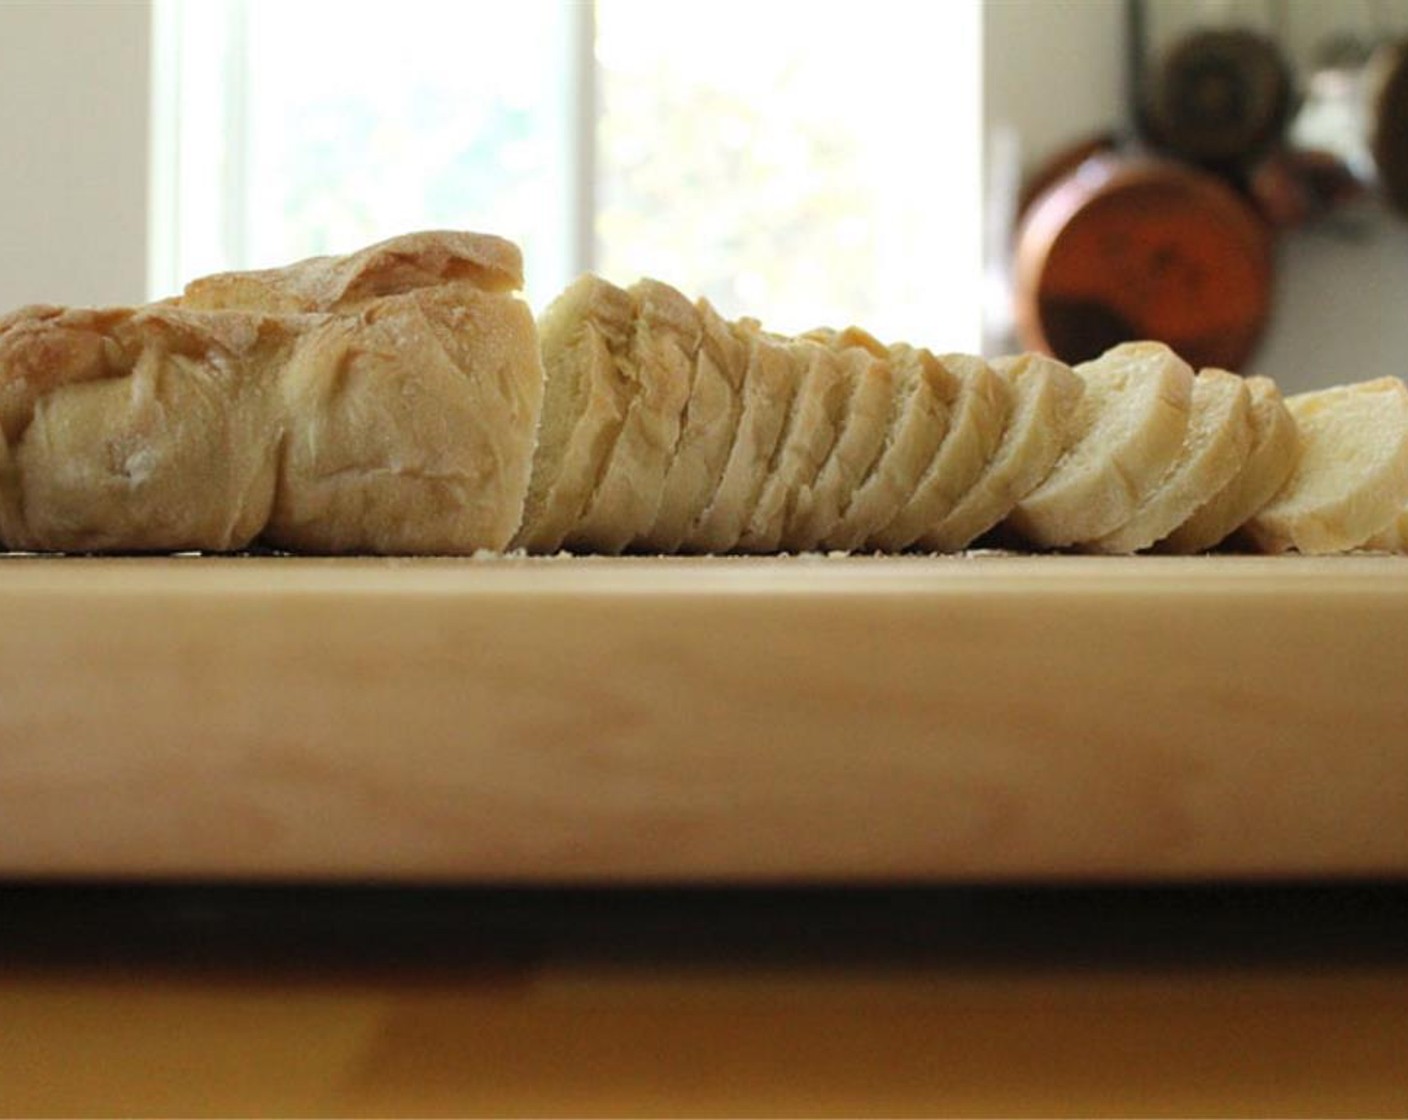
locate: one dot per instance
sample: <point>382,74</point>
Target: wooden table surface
<point>1288,1002</point>
<point>978,718</point>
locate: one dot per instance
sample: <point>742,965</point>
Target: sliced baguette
<point>1352,476</point>
<point>816,422</point>
<point>925,392</point>
<point>711,418</point>
<point>1045,396</point>
<point>979,418</point>
<point>817,509</point>
<point>1214,451</point>
<point>1274,448</point>
<point>660,362</point>
<point>581,334</point>
<point>769,387</point>
<point>1132,420</point>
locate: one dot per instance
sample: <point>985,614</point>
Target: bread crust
<point>382,402</point>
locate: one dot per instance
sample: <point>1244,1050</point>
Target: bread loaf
<point>401,399</point>
<point>139,430</point>
<point>380,402</point>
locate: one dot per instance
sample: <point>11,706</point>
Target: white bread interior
<point>924,398</point>
<point>1132,419</point>
<point>817,508</point>
<point>817,419</point>
<point>1274,449</point>
<point>711,417</point>
<point>583,335</point>
<point>1045,394</point>
<point>1351,479</point>
<point>660,363</point>
<point>769,388</point>
<point>1214,451</point>
<point>978,420</point>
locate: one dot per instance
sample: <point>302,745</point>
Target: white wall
<point>1055,69</point>
<point>73,152</point>
<point>74,134</point>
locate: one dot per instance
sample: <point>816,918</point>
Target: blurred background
<point>878,162</point>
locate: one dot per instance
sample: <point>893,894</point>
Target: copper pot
<point>1127,247</point>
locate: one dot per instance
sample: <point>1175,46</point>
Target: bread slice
<point>1352,476</point>
<point>979,418</point>
<point>866,367</point>
<point>816,422</point>
<point>1132,420</point>
<point>1214,451</point>
<point>925,392</point>
<point>1045,396</point>
<point>660,363</point>
<point>769,386</point>
<point>711,418</point>
<point>582,335</point>
<point>1275,445</point>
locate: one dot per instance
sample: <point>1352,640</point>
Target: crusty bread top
<point>43,347</point>
<point>346,283</point>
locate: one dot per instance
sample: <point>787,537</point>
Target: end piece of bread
<point>1274,449</point>
<point>1045,395</point>
<point>1133,417</point>
<point>582,335</point>
<point>660,363</point>
<point>138,430</point>
<point>711,417</point>
<point>1351,479</point>
<point>978,420</point>
<point>925,392</point>
<point>1214,451</point>
<point>818,417</point>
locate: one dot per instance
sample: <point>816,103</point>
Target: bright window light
<point>806,164</point>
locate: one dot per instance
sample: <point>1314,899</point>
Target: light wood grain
<point>962,718</point>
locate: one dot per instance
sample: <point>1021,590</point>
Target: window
<point>804,163</point>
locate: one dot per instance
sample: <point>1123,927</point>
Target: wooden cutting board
<point>979,718</point>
